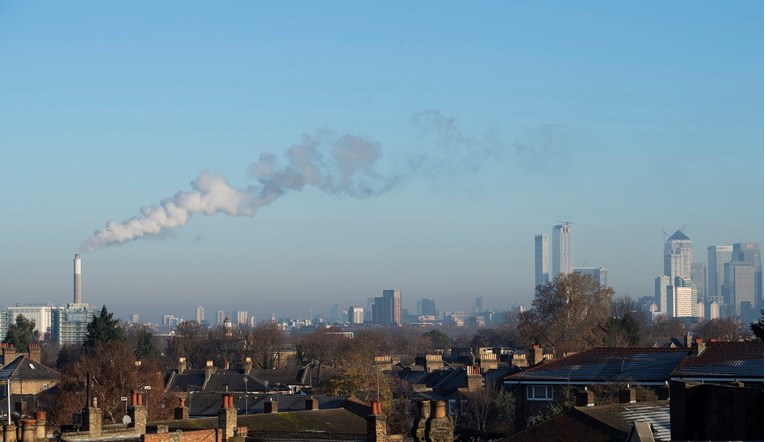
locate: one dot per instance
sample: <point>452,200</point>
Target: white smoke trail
<point>347,168</point>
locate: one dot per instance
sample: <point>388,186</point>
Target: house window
<point>539,392</point>
<point>45,386</point>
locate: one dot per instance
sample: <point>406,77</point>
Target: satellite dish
<point>126,420</point>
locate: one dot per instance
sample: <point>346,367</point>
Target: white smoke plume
<point>344,165</point>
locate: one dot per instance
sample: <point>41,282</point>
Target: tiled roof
<point>208,404</point>
<point>727,360</point>
<point>621,416</point>
<point>607,365</point>
<point>25,368</point>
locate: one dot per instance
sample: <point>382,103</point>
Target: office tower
<point>717,256</point>
<point>135,318</point>
<point>599,274</point>
<point>541,259</point>
<point>387,309</point>
<point>220,316</point>
<point>478,308</point>
<point>356,315</point>
<point>561,250</point>
<point>427,307</point>
<point>739,290</point>
<point>200,314</point>
<point>241,317</point>
<point>661,287</point>
<point>749,252</point>
<point>678,256</point>
<point>699,278</point>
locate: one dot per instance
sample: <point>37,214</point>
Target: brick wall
<point>183,436</point>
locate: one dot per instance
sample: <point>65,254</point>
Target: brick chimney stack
<point>377,426</point>
<point>182,365</point>
<point>535,355</point>
<point>227,417</point>
<point>247,365</point>
<point>41,421</point>
<point>9,353</point>
<point>697,347</point>
<point>35,352</point>
<point>209,370</point>
<point>137,413</point>
<point>182,411</point>
<point>420,423</point>
<point>627,395</point>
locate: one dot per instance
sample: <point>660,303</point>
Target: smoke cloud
<point>343,166</point>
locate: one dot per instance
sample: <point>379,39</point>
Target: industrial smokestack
<point>77,279</point>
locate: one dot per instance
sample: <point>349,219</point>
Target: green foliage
<point>103,329</point>
<point>22,333</point>
<point>140,340</point>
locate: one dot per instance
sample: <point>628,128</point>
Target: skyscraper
<point>356,315</point>
<point>739,290</point>
<point>561,249</point>
<point>541,259</point>
<point>699,278</point>
<point>678,256</point>
<point>717,256</point>
<point>200,314</point>
<point>662,292</point>
<point>599,274</point>
<point>220,316</point>
<point>749,252</point>
<point>387,309</point>
<point>427,307</point>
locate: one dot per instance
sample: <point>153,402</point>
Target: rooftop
<point>607,365</point>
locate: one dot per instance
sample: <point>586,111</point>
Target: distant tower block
<point>77,279</point>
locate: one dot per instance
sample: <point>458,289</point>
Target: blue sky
<point>625,118</point>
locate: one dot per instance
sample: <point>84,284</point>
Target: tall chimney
<point>77,279</point>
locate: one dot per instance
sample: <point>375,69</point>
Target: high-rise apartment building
<point>356,315</point>
<point>241,317</point>
<point>678,256</point>
<point>70,324</point>
<point>561,250</point>
<point>541,260</point>
<point>599,274</point>
<point>427,307</point>
<point>200,314</point>
<point>717,256</point>
<point>387,309</point>
<point>220,316</point>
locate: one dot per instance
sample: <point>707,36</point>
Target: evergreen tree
<point>21,334</point>
<point>103,329</point>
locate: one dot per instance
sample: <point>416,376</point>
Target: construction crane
<point>665,234</point>
<point>568,223</point>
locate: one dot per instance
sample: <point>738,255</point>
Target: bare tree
<point>568,314</point>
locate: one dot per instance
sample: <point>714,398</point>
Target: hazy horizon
<point>302,157</point>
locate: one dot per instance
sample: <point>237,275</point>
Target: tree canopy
<point>568,314</point>
<point>21,333</point>
<point>103,329</point>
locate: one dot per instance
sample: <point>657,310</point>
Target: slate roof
<point>335,424</point>
<point>25,368</point>
<point>724,360</point>
<point>208,404</point>
<point>620,416</point>
<point>645,365</point>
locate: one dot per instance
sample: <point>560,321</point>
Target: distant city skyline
<point>280,159</point>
